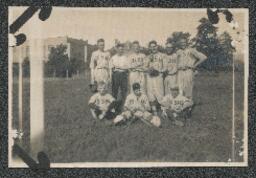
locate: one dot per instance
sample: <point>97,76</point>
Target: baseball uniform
<point>137,65</point>
<point>101,103</point>
<point>99,66</point>
<point>186,62</point>
<point>177,104</point>
<point>155,84</point>
<point>137,106</point>
<point>170,80</point>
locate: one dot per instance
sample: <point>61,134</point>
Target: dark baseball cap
<point>135,86</point>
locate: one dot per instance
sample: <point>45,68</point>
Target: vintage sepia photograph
<point>128,87</point>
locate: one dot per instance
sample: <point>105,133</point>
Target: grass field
<point>72,135</point>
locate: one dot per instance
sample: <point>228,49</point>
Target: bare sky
<point>142,24</point>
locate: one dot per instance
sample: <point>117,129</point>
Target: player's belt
<point>171,74</point>
<point>137,70</point>
<point>183,69</point>
<point>186,68</point>
<point>119,70</point>
<point>102,68</point>
<point>191,68</point>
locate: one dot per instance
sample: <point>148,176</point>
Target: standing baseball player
<point>102,104</point>
<point>137,107</point>
<point>137,62</point>
<point>171,65</point>
<point>155,83</point>
<point>188,59</point>
<point>99,64</point>
<point>119,64</point>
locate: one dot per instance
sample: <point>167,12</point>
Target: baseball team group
<point>132,86</point>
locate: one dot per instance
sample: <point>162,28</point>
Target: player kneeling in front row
<point>137,107</point>
<point>102,104</point>
<point>176,106</point>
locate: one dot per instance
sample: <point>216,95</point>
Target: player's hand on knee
<point>127,114</point>
<point>138,114</point>
<point>164,115</point>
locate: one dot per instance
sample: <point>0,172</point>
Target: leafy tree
<point>76,66</point>
<point>226,49</point>
<point>58,63</point>
<point>207,42</point>
<point>218,49</point>
<point>176,37</point>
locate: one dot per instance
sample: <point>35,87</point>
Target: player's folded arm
<point>113,105</point>
<point>93,106</point>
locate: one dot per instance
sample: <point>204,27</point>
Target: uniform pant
<point>108,115</point>
<point>170,81</point>
<point>137,77</point>
<point>101,75</point>
<point>155,88</point>
<point>185,82</point>
<point>120,81</point>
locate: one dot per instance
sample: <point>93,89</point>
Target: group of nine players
<point>160,84</point>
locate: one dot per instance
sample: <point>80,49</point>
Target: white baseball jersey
<point>102,101</point>
<point>187,58</point>
<point>179,102</point>
<point>134,103</point>
<point>155,85</point>
<point>100,66</point>
<point>171,64</point>
<point>137,60</point>
<point>157,61</point>
<point>137,65</point>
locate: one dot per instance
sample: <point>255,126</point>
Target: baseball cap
<point>135,86</point>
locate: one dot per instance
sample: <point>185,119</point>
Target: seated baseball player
<point>176,106</point>
<point>102,104</point>
<point>137,107</point>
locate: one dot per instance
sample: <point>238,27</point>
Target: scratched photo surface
<point>128,87</point>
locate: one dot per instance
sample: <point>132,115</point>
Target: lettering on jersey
<point>143,102</point>
<point>137,60</point>
<point>102,101</point>
<point>178,102</point>
<point>156,61</point>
